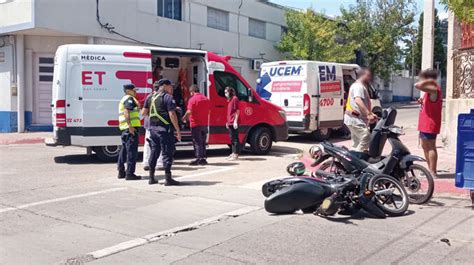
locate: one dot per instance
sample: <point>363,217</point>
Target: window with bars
<point>217,19</point>
<point>170,9</point>
<point>257,28</point>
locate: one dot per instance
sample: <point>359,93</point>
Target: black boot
<point>169,180</point>
<point>152,180</point>
<point>121,175</point>
<point>132,177</point>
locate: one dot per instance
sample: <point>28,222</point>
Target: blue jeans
<point>199,135</point>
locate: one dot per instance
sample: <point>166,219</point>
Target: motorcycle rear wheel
<point>390,195</point>
<point>414,183</point>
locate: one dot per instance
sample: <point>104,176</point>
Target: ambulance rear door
<point>330,85</point>
<point>285,84</point>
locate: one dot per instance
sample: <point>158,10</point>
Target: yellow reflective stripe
<point>154,113</point>
<point>161,118</point>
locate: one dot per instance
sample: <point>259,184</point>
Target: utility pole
<point>427,54</point>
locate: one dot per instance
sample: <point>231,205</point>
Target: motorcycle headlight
<point>316,151</point>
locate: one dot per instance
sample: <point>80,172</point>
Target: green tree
<point>462,9</point>
<point>312,36</point>
<point>378,27</point>
<point>439,50</point>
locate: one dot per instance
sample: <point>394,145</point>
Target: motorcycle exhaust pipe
<point>330,205</point>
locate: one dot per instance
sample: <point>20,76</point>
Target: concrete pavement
<point>59,206</point>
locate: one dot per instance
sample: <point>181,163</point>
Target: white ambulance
<point>312,93</point>
<point>88,85</point>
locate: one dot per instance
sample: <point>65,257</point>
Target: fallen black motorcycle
<point>378,194</point>
<point>416,179</point>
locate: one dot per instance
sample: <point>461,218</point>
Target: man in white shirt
<point>358,113</point>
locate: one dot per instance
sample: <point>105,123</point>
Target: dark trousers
<point>199,135</point>
<point>234,139</point>
<point>128,152</point>
<point>161,142</point>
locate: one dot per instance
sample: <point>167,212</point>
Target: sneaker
<point>146,168</point>
<point>202,162</point>
<point>194,162</point>
<point>132,177</point>
<point>121,175</point>
<point>233,158</point>
<point>229,157</point>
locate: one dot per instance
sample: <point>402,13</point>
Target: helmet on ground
<point>316,151</point>
<point>296,169</point>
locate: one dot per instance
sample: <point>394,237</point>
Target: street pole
<point>413,67</point>
<point>427,54</point>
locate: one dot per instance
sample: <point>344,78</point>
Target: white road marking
<point>222,169</point>
<point>140,241</point>
<point>59,199</point>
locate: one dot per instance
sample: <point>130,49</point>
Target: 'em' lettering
<point>87,77</point>
<point>327,73</point>
<point>285,70</point>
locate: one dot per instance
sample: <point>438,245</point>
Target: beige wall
<point>16,14</point>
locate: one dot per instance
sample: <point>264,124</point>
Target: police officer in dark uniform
<point>161,109</point>
<point>129,122</point>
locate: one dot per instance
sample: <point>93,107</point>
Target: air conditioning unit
<point>257,64</point>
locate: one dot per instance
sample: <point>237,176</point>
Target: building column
<point>20,78</point>
<point>28,87</point>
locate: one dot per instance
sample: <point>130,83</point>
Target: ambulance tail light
<point>306,104</point>
<point>61,113</point>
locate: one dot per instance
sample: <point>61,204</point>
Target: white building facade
<point>32,30</point>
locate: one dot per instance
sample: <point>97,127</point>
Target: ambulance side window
<point>224,79</point>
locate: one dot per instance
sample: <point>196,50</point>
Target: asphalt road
<point>59,206</point>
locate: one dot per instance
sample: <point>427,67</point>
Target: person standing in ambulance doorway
<point>161,108</point>
<point>129,122</point>
<point>429,121</point>
<point>198,114</point>
<point>358,113</point>
<point>232,124</point>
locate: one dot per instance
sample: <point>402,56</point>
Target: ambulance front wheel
<point>261,141</point>
<point>107,153</point>
<point>322,134</point>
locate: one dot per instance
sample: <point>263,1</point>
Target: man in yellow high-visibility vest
<point>129,122</point>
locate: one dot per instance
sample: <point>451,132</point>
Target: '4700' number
<point>326,102</point>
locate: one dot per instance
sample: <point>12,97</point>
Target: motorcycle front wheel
<point>389,194</point>
<point>419,184</point>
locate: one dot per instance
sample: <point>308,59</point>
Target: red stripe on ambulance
<point>141,55</point>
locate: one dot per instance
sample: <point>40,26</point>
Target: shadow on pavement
<point>79,159</point>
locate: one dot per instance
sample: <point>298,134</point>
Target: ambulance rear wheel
<point>107,153</point>
<point>322,134</point>
<point>261,141</point>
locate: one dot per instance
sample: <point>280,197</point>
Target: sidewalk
<point>444,183</point>
<point>23,138</point>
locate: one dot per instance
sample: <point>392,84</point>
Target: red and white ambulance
<point>88,85</point>
<point>312,93</point>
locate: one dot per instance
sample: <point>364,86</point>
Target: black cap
<point>163,82</point>
<point>128,87</point>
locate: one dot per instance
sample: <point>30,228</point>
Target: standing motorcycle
<point>416,179</point>
<point>378,194</point>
